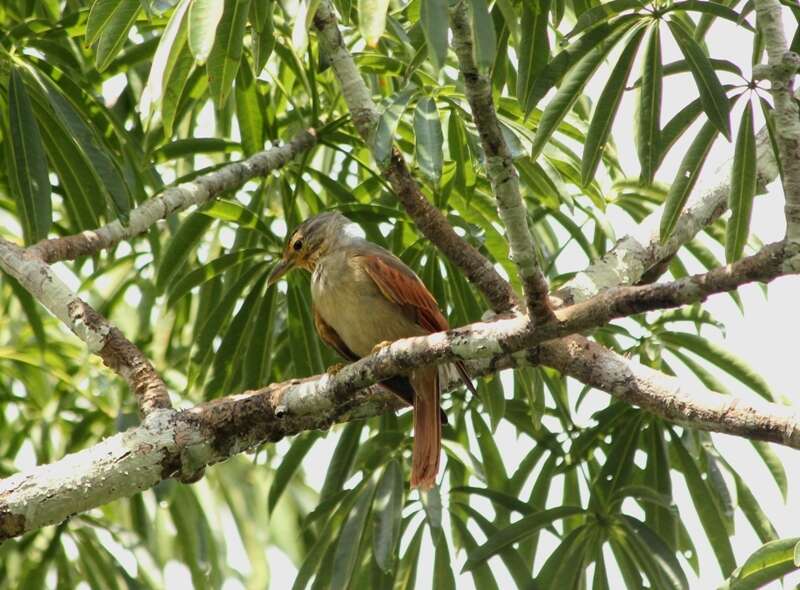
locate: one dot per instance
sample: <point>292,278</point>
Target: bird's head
<point>309,241</point>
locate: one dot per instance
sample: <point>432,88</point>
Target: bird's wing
<point>400,285</point>
<point>332,339</point>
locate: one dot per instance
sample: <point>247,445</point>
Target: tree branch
<point>430,221</point>
<point>100,336</point>
<point>637,254</point>
<point>780,70</point>
<point>201,190</point>
<point>500,168</point>
<point>171,443</point>
<point>669,398</point>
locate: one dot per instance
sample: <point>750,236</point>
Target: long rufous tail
<point>427,428</point>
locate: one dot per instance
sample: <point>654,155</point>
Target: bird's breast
<point>350,303</point>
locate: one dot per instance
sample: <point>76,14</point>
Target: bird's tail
<point>427,428</point>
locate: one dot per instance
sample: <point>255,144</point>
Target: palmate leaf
<point>712,94</point>
<point>384,136</point>
<point>27,166</point>
<point>648,113</point>
<point>433,17</point>
<point>743,187</point>
<point>483,34</point>
<point>429,139</point>
<point>770,562</point>
<point>712,520</point>
<point>226,53</point>
<point>524,527</point>
<point>388,507</point>
<point>533,55</point>
<point>348,546</point>
<point>202,22</point>
<point>108,25</point>
<point>571,88</point>
<point>606,110</point>
<point>688,173</point>
<point>723,359</point>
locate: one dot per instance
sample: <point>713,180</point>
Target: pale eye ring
<point>298,245</point>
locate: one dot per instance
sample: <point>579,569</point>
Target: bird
<point>363,298</point>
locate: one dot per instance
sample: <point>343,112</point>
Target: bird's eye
<point>298,245</point>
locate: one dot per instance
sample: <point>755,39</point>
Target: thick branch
<point>500,168</point>
<point>781,69</point>
<point>642,253</point>
<point>171,443</point>
<point>201,190</point>
<point>428,219</point>
<point>100,336</point>
<point>668,397</point>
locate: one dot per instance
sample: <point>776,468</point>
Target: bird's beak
<point>280,269</point>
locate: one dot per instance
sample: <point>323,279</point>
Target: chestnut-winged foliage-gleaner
<point>363,298</point>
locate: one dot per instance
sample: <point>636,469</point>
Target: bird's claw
<point>335,368</point>
<point>380,346</point>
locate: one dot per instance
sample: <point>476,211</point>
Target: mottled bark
<point>780,70</point>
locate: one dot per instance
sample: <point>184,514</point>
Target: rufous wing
<point>400,285</point>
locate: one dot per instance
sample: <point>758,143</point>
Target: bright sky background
<point>763,336</point>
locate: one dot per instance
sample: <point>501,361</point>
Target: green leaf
<point>730,363</point>
<point>388,507</point>
<point>208,271</point>
<point>521,529</point>
<point>349,543</point>
<point>774,465</point>
<point>442,569</point>
<point>712,520</point>
<point>570,90</point>
<point>482,574</point>
<point>27,164</point>
<point>483,35</point>
<point>654,548</point>
<point>511,557</point>
<point>372,20</point>
<point>429,139</point>
<point>601,13</point>
<point>743,187</point>
<point>770,562</point>
<point>189,234</point>
<point>289,465</point>
<point>493,466</point>
<point>263,34</point>
<point>343,456</point>
<point>387,126</point>
<point>433,18</point>
<point>250,110</point>
<point>204,16</point>
<point>226,53</point>
<point>108,174</point>
<point>240,215</point>
<point>606,110</point>
<point>649,107</point>
<point>712,8</point>
<point>533,53</point>
<point>108,24</point>
<point>712,94</point>
<point>688,173</point>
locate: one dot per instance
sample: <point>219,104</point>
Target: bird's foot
<point>335,368</point>
<point>380,346</point>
